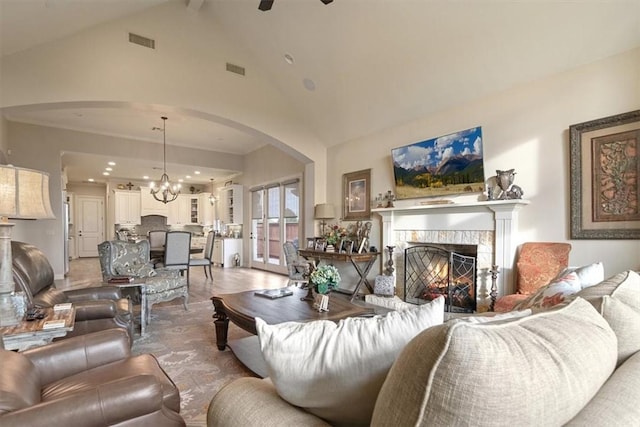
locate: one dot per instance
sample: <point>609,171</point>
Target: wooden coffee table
<point>242,309</point>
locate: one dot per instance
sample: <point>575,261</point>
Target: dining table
<point>158,251</point>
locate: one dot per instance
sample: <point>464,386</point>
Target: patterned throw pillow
<point>589,275</point>
<point>554,293</point>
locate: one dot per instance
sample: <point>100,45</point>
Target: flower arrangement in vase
<point>325,278</point>
<point>334,235</point>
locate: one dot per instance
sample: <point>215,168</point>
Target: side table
<point>28,334</point>
<point>137,283</point>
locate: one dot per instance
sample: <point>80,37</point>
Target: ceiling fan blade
<point>266,5</point>
<point>326,1</point>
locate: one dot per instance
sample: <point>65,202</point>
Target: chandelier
<point>165,192</point>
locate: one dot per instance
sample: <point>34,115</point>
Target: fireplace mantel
<point>498,216</point>
<point>481,206</point>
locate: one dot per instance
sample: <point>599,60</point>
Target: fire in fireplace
<point>447,270</point>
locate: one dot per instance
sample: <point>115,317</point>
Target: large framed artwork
<point>356,195</point>
<point>446,165</point>
<point>605,177</point>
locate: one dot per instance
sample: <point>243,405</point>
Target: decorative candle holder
<point>494,286</point>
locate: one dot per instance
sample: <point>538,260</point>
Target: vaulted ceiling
<point>348,68</point>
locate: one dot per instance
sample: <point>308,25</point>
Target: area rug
<point>184,344</point>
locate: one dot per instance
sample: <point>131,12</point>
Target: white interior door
<point>90,224</point>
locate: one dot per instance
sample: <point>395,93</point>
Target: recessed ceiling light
<point>105,173</point>
<point>289,58</point>
<point>145,177</point>
<point>188,176</point>
<point>111,163</point>
<point>197,172</point>
<point>91,180</point>
<point>181,180</point>
<point>108,169</point>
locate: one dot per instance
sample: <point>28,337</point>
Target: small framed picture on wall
<point>356,195</point>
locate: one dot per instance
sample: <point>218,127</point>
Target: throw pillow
<point>625,322</point>
<point>552,294</point>
<point>493,317</point>
<point>617,299</point>
<point>335,371</point>
<point>589,275</point>
<point>536,370</point>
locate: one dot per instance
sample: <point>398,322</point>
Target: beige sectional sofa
<point>574,364</point>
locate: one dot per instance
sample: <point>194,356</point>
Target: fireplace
<point>431,271</point>
<point>491,225</point>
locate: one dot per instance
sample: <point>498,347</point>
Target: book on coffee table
<point>62,306</point>
<point>52,324</point>
<point>274,293</point>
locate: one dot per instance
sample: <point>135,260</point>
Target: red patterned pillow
<point>539,262</point>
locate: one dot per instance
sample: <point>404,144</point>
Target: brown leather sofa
<point>91,380</point>
<point>97,308</point>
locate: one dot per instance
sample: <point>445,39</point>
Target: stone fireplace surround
<point>491,225</point>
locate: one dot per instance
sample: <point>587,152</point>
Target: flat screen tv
<point>443,166</point>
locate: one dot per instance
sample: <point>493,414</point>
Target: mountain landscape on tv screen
<point>447,165</point>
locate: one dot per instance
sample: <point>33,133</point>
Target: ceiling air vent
<point>235,69</point>
<point>142,41</point>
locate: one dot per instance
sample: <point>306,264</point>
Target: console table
<point>28,334</point>
<point>361,262</point>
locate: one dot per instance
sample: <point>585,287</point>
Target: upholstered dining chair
<point>538,263</point>
<point>298,268</point>
<point>176,251</point>
<point>205,261</point>
<point>156,242</point>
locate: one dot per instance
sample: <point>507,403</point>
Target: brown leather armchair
<point>97,308</point>
<point>91,380</point>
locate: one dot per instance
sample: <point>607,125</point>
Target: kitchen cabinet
<point>205,209</point>
<point>127,207</point>
<point>230,204</point>
<point>184,210</point>
<point>225,250</point>
<point>150,206</point>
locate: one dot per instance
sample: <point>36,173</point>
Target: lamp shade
<point>324,211</point>
<point>24,193</point>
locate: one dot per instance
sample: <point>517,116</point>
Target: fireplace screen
<point>431,271</point>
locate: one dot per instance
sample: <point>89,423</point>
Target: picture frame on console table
<point>605,177</point>
<point>356,195</point>
<point>311,243</point>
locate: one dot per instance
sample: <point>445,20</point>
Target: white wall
<point>525,128</point>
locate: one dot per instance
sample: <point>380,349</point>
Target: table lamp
<point>324,211</point>
<point>24,194</point>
